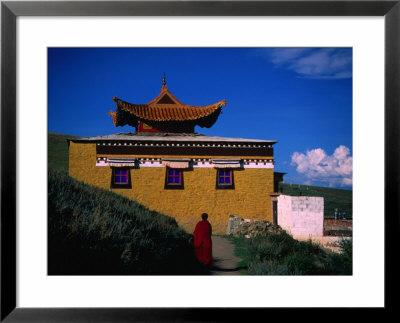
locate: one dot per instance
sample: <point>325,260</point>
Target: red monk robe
<point>202,241</point>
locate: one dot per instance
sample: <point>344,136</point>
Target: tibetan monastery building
<point>169,168</point>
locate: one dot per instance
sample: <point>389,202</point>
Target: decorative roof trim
<point>226,163</point>
<point>179,144</point>
<point>175,164</point>
<point>164,91</point>
<point>122,162</point>
<point>183,162</point>
<point>176,159</point>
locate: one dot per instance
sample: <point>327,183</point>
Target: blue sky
<point>301,97</point>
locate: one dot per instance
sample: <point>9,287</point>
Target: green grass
<point>92,231</point>
<point>280,254</point>
<point>58,150</point>
<point>333,197</point>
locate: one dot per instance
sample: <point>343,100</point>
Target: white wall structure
<point>301,216</point>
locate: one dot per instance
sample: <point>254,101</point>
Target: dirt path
<point>224,261</point>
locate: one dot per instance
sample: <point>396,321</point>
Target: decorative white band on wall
<point>175,164</point>
<point>259,165</point>
<point>221,163</point>
<point>182,163</point>
<point>122,162</point>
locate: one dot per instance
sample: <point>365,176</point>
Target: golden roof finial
<point>164,82</point>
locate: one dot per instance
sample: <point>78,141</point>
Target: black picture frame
<point>10,10</point>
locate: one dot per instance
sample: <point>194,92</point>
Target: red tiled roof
<point>165,107</point>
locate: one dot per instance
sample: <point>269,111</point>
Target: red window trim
<point>230,177</point>
<point>121,176</point>
<point>174,176</point>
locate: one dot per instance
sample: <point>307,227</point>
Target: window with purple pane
<point>121,176</point>
<point>174,177</point>
<point>225,176</point>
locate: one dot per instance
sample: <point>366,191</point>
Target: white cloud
<point>320,63</point>
<point>316,165</point>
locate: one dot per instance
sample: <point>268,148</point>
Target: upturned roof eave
<point>190,113</point>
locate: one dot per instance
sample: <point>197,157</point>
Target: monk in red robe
<point>202,240</point>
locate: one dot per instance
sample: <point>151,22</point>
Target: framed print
<point>37,39</point>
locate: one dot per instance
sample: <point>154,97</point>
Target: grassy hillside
<point>92,231</point>
<point>58,150</point>
<point>279,254</point>
<point>333,198</point>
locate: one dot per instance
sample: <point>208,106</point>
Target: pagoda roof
<point>165,108</point>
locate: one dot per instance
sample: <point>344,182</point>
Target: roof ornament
<point>166,113</point>
<point>164,82</point>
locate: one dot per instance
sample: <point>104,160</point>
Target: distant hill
<point>333,197</point>
<point>58,150</point>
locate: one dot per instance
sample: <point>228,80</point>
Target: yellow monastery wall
<point>250,199</point>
